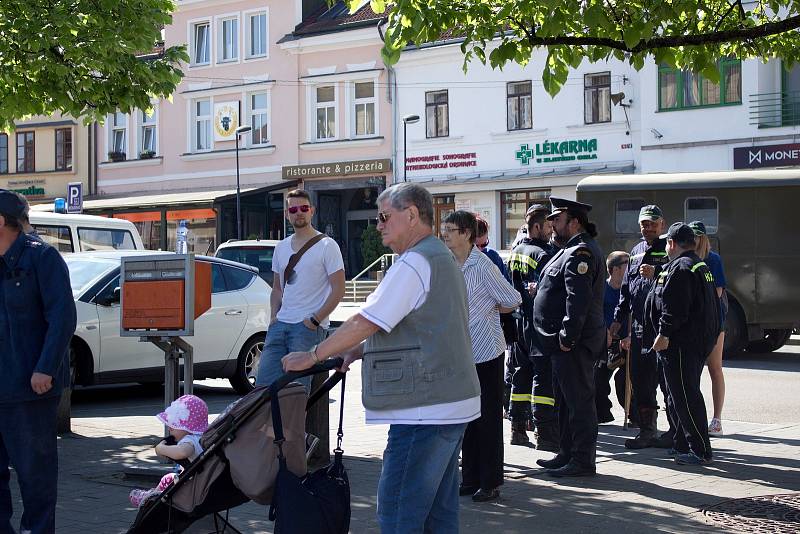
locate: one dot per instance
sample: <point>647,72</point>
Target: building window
<point>201,43</point>
<point>202,124</point>
<point>597,97</point>
<point>228,35</point>
<point>119,127</point>
<point>364,108</point>
<point>703,209</point>
<point>437,119</point>
<point>257,34</point>
<point>3,153</point>
<point>63,149</point>
<point>513,207</point>
<point>259,135</point>
<point>25,152</point>
<point>148,133</point>
<point>626,216</point>
<point>519,106</point>
<point>326,112</point>
<point>683,89</point>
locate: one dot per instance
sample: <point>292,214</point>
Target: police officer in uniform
<point>682,314</point>
<point>37,320</point>
<point>568,316</point>
<point>532,380</point>
<point>647,259</point>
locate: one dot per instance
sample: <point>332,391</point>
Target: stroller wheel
<point>244,378</point>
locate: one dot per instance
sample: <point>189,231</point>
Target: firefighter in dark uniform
<point>682,315</point>
<point>647,259</point>
<point>532,380</point>
<point>568,316</point>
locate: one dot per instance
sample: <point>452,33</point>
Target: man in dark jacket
<point>568,315</point>
<point>683,317</point>
<point>37,320</point>
<point>532,395</point>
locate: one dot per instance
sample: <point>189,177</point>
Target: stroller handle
<point>323,367</point>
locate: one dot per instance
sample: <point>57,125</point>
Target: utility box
<point>162,295</point>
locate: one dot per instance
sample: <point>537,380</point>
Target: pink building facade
<point>313,90</point>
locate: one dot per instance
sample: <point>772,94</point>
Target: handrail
<point>385,260</point>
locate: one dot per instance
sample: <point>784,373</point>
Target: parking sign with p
<point>74,197</point>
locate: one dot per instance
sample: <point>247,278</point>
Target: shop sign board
<point>455,160</point>
<point>339,168</point>
<point>557,151</point>
<point>226,120</point>
<point>754,157</point>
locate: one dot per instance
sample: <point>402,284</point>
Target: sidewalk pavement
<point>634,491</point>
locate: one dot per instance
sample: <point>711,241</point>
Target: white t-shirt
<point>194,441</point>
<point>403,290</point>
<point>311,287</point>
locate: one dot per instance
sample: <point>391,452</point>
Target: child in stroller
<point>187,419</point>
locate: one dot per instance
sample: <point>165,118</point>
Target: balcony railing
<point>772,110</point>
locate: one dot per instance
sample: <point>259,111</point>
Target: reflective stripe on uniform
<point>521,263</point>
<point>658,253</point>
<point>698,265</point>
<point>521,397</point>
<point>550,401</point>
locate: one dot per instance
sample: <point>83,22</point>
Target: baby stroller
<point>240,459</point>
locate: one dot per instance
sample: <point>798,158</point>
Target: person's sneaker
<point>690,458</point>
<point>715,428</point>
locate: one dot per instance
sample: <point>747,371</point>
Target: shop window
<point>202,124</point>
<point>443,205</point>
<point>437,114</point>
<point>228,35</point>
<point>326,112</point>
<point>364,113</point>
<point>257,34</point>
<point>201,226</point>
<point>514,204</point>
<point>26,146</point>
<point>148,224</point>
<point>703,209</point>
<point>626,216</point>
<point>3,153</point>
<point>259,135</point>
<point>597,97</point>
<point>683,89</point>
<point>519,106</point>
<point>147,133</point>
<point>200,45</point>
<point>63,149</point>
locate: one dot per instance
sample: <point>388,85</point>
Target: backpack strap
<point>296,257</point>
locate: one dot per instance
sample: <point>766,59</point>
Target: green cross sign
<point>524,154</point>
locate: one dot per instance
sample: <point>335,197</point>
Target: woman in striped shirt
<point>488,294</point>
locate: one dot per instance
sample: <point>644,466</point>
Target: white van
<point>76,233</point>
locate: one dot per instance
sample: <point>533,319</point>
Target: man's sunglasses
<point>384,216</point>
<point>294,209</point>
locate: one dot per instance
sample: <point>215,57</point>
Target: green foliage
<point>79,57</point>
<point>681,33</point>
<point>372,245</point>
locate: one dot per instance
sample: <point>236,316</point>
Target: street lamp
<point>239,131</point>
<point>408,119</point>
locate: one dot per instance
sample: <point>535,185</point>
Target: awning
<point>284,184</point>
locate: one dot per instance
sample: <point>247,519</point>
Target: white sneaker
<point>715,428</point>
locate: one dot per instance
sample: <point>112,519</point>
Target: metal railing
<point>772,110</point>
<point>352,286</point>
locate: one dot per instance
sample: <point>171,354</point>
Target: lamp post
<point>239,131</point>
<point>408,119</point>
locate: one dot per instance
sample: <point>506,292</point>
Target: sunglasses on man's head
<point>294,209</point>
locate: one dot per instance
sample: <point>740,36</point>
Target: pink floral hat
<point>187,413</point>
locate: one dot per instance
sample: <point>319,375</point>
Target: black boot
<point>547,436</point>
<point>647,430</point>
<point>518,434</point>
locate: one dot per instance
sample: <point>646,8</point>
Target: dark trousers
<point>28,442</point>
<point>482,448</point>
<point>602,388</point>
<point>573,374</point>
<point>644,375</point>
<point>544,398</point>
<point>682,367</point>
<point>520,369</point>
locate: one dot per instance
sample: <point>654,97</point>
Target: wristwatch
<point>313,352</point>
<point>314,320</point>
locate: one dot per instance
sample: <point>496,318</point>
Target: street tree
<point>84,58</point>
<point>692,34</point>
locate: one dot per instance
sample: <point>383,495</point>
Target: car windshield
<point>83,272</point>
<point>258,257</point>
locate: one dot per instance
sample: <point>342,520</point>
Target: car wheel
<point>735,329</point>
<point>773,340</point>
<point>244,379</point>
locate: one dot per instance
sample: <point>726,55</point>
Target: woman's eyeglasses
<point>294,209</point>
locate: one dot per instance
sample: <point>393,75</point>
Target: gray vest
<point>427,358</point>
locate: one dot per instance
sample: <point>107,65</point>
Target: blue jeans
<point>418,488</point>
<point>28,442</point>
<point>283,338</point>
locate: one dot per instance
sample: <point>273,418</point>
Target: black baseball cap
<point>698,227</point>
<point>679,232</point>
<point>13,204</point>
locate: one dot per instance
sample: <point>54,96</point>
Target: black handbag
<point>319,502</point>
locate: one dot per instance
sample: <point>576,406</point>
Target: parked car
<point>228,338</point>
<point>75,232</point>
<point>254,252</point>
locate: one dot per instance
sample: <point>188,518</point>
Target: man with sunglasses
<point>303,296</point>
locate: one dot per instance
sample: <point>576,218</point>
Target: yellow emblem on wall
<point>226,120</point>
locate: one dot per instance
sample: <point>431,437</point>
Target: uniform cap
<point>536,207</point>
<point>698,227</point>
<point>650,213</point>
<point>679,232</point>
<point>12,204</point>
<point>563,204</point>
